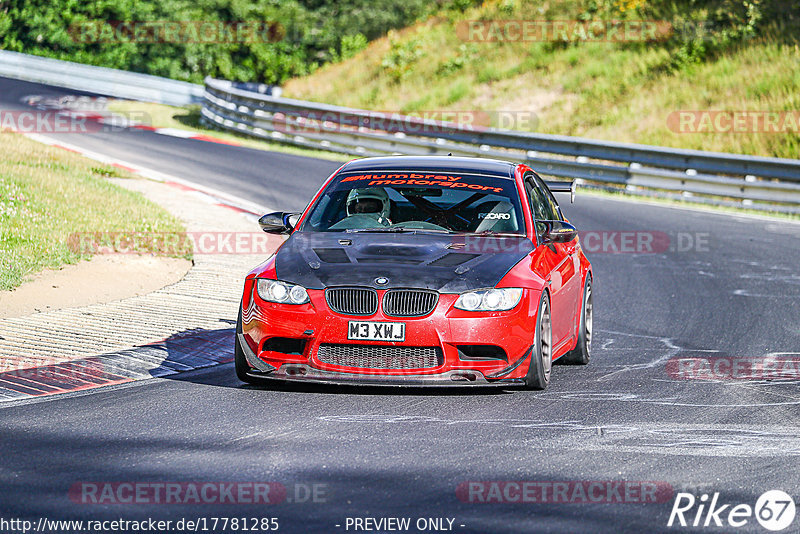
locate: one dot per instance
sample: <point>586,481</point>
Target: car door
<point>559,262</point>
<point>574,285</point>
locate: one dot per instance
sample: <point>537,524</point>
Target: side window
<point>550,200</point>
<point>543,209</point>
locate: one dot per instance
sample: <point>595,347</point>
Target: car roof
<point>444,164</point>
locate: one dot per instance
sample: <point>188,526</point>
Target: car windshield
<point>405,201</point>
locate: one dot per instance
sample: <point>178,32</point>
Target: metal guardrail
<point>727,179</point>
<point>101,80</point>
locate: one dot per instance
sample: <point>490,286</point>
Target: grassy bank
<point>603,90</point>
<point>47,194</point>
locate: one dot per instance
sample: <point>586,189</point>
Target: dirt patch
<point>102,279</point>
<point>521,94</point>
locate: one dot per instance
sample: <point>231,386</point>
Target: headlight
<point>489,299</point>
<point>281,292</point>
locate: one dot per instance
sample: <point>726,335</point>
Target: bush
<point>308,33</point>
<point>702,29</point>
<point>402,56</point>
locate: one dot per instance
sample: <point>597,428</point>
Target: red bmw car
<point>420,270</point>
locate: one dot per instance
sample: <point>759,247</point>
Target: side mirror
<point>278,222</point>
<point>556,231</point>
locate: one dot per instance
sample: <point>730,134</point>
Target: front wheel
<point>542,351</point>
<point>580,354</point>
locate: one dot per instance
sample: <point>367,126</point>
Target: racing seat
<point>498,217</point>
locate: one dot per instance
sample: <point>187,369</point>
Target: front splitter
<point>307,374</point>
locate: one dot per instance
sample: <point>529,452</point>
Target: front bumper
<point>446,328</point>
<point>305,373</point>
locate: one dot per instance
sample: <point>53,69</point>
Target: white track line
<point>221,196</point>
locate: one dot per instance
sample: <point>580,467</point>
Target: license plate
<point>374,331</point>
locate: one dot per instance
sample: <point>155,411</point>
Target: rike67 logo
<point>774,510</point>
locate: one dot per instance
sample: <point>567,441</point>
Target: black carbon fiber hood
<point>444,263</point>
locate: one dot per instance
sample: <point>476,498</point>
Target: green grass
<point>47,194</point>
<point>188,118</point>
<point>609,91</point>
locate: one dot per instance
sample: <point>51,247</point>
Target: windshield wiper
<point>399,229</point>
<point>432,230</point>
<point>389,229</point>
<point>493,233</point>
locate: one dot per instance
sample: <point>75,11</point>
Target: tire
<point>583,348</point>
<point>542,351</point>
<point>239,360</point>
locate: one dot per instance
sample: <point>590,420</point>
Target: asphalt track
<point>386,453</point>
